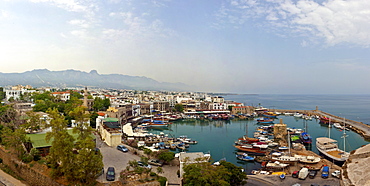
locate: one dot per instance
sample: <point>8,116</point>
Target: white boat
<point>276,165</point>
<point>307,159</point>
<point>257,172</point>
<point>297,115</point>
<point>338,126</point>
<point>285,159</point>
<point>329,148</point>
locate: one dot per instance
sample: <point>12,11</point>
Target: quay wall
<point>358,127</point>
<point>24,171</point>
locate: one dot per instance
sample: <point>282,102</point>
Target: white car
<point>336,173</point>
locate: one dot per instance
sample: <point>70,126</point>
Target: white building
<point>16,94</point>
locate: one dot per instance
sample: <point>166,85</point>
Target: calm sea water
<point>354,107</point>
<point>217,137</point>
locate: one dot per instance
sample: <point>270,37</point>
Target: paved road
<point>8,180</point>
<point>119,160</point>
<point>257,180</point>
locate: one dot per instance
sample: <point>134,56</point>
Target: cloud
<point>135,26</point>
<point>69,5</point>
<point>333,21</point>
<point>79,22</point>
<point>4,14</point>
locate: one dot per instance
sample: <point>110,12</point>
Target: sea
<point>218,137</point>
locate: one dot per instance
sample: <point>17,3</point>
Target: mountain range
<point>75,78</point>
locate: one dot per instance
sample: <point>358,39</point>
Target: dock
<point>358,127</point>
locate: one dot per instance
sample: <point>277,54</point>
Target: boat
<point>245,140</point>
<point>244,157</point>
<point>306,138</point>
<point>324,120</point>
<point>338,126</point>
<point>329,148</point>
<point>157,123</point>
<point>269,114</point>
<point>276,165</point>
<point>284,159</point>
<point>298,115</point>
<point>265,121</point>
<point>261,172</point>
<point>250,149</point>
<point>310,159</point>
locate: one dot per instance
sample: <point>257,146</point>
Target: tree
<point>14,138</point>
<point>101,104</point>
<point>179,108</point>
<point>33,123</point>
<point>7,114</point>
<point>205,174</point>
<point>87,169</point>
<point>166,156</point>
<point>61,155</point>
<point>237,177</point>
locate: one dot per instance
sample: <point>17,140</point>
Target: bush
<point>1,160</point>
<point>153,174</point>
<point>26,158</point>
<point>35,154</point>
<point>162,180</point>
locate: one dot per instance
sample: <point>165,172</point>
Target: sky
<point>239,46</point>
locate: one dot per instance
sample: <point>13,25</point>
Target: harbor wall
<point>358,127</point>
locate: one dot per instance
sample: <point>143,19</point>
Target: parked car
<point>325,172</point>
<point>111,174</point>
<point>143,165</point>
<point>155,162</point>
<point>122,148</point>
<point>303,173</point>
<point>295,174</point>
<point>336,173</point>
<point>312,174</point>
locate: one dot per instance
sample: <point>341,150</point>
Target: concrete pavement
<point>8,180</point>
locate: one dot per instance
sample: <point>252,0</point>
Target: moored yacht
<point>329,148</point>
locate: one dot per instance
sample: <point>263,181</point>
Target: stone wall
<point>23,170</point>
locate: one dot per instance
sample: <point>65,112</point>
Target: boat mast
<point>289,141</point>
<point>329,127</point>
<point>344,135</point>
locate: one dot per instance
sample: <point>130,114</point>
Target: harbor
<point>218,136</point>
<point>358,127</point>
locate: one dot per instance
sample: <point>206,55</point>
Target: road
<point>119,160</point>
<point>260,180</point>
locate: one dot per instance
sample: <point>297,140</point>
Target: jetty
<point>359,127</point>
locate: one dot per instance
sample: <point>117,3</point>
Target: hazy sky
<point>243,46</point>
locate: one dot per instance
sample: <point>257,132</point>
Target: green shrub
<point>35,154</point>
<point>26,158</point>
<point>153,174</point>
<point>162,180</point>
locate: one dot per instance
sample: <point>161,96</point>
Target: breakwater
<point>358,127</point>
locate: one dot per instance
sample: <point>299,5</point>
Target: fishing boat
<point>284,159</point>
<point>310,159</point>
<point>306,138</point>
<point>244,157</point>
<point>251,149</point>
<point>269,114</point>
<point>297,115</point>
<point>265,121</point>
<point>276,165</point>
<point>246,139</point>
<point>329,148</point>
<point>324,120</point>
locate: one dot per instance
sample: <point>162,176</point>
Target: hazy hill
<point>72,78</point>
